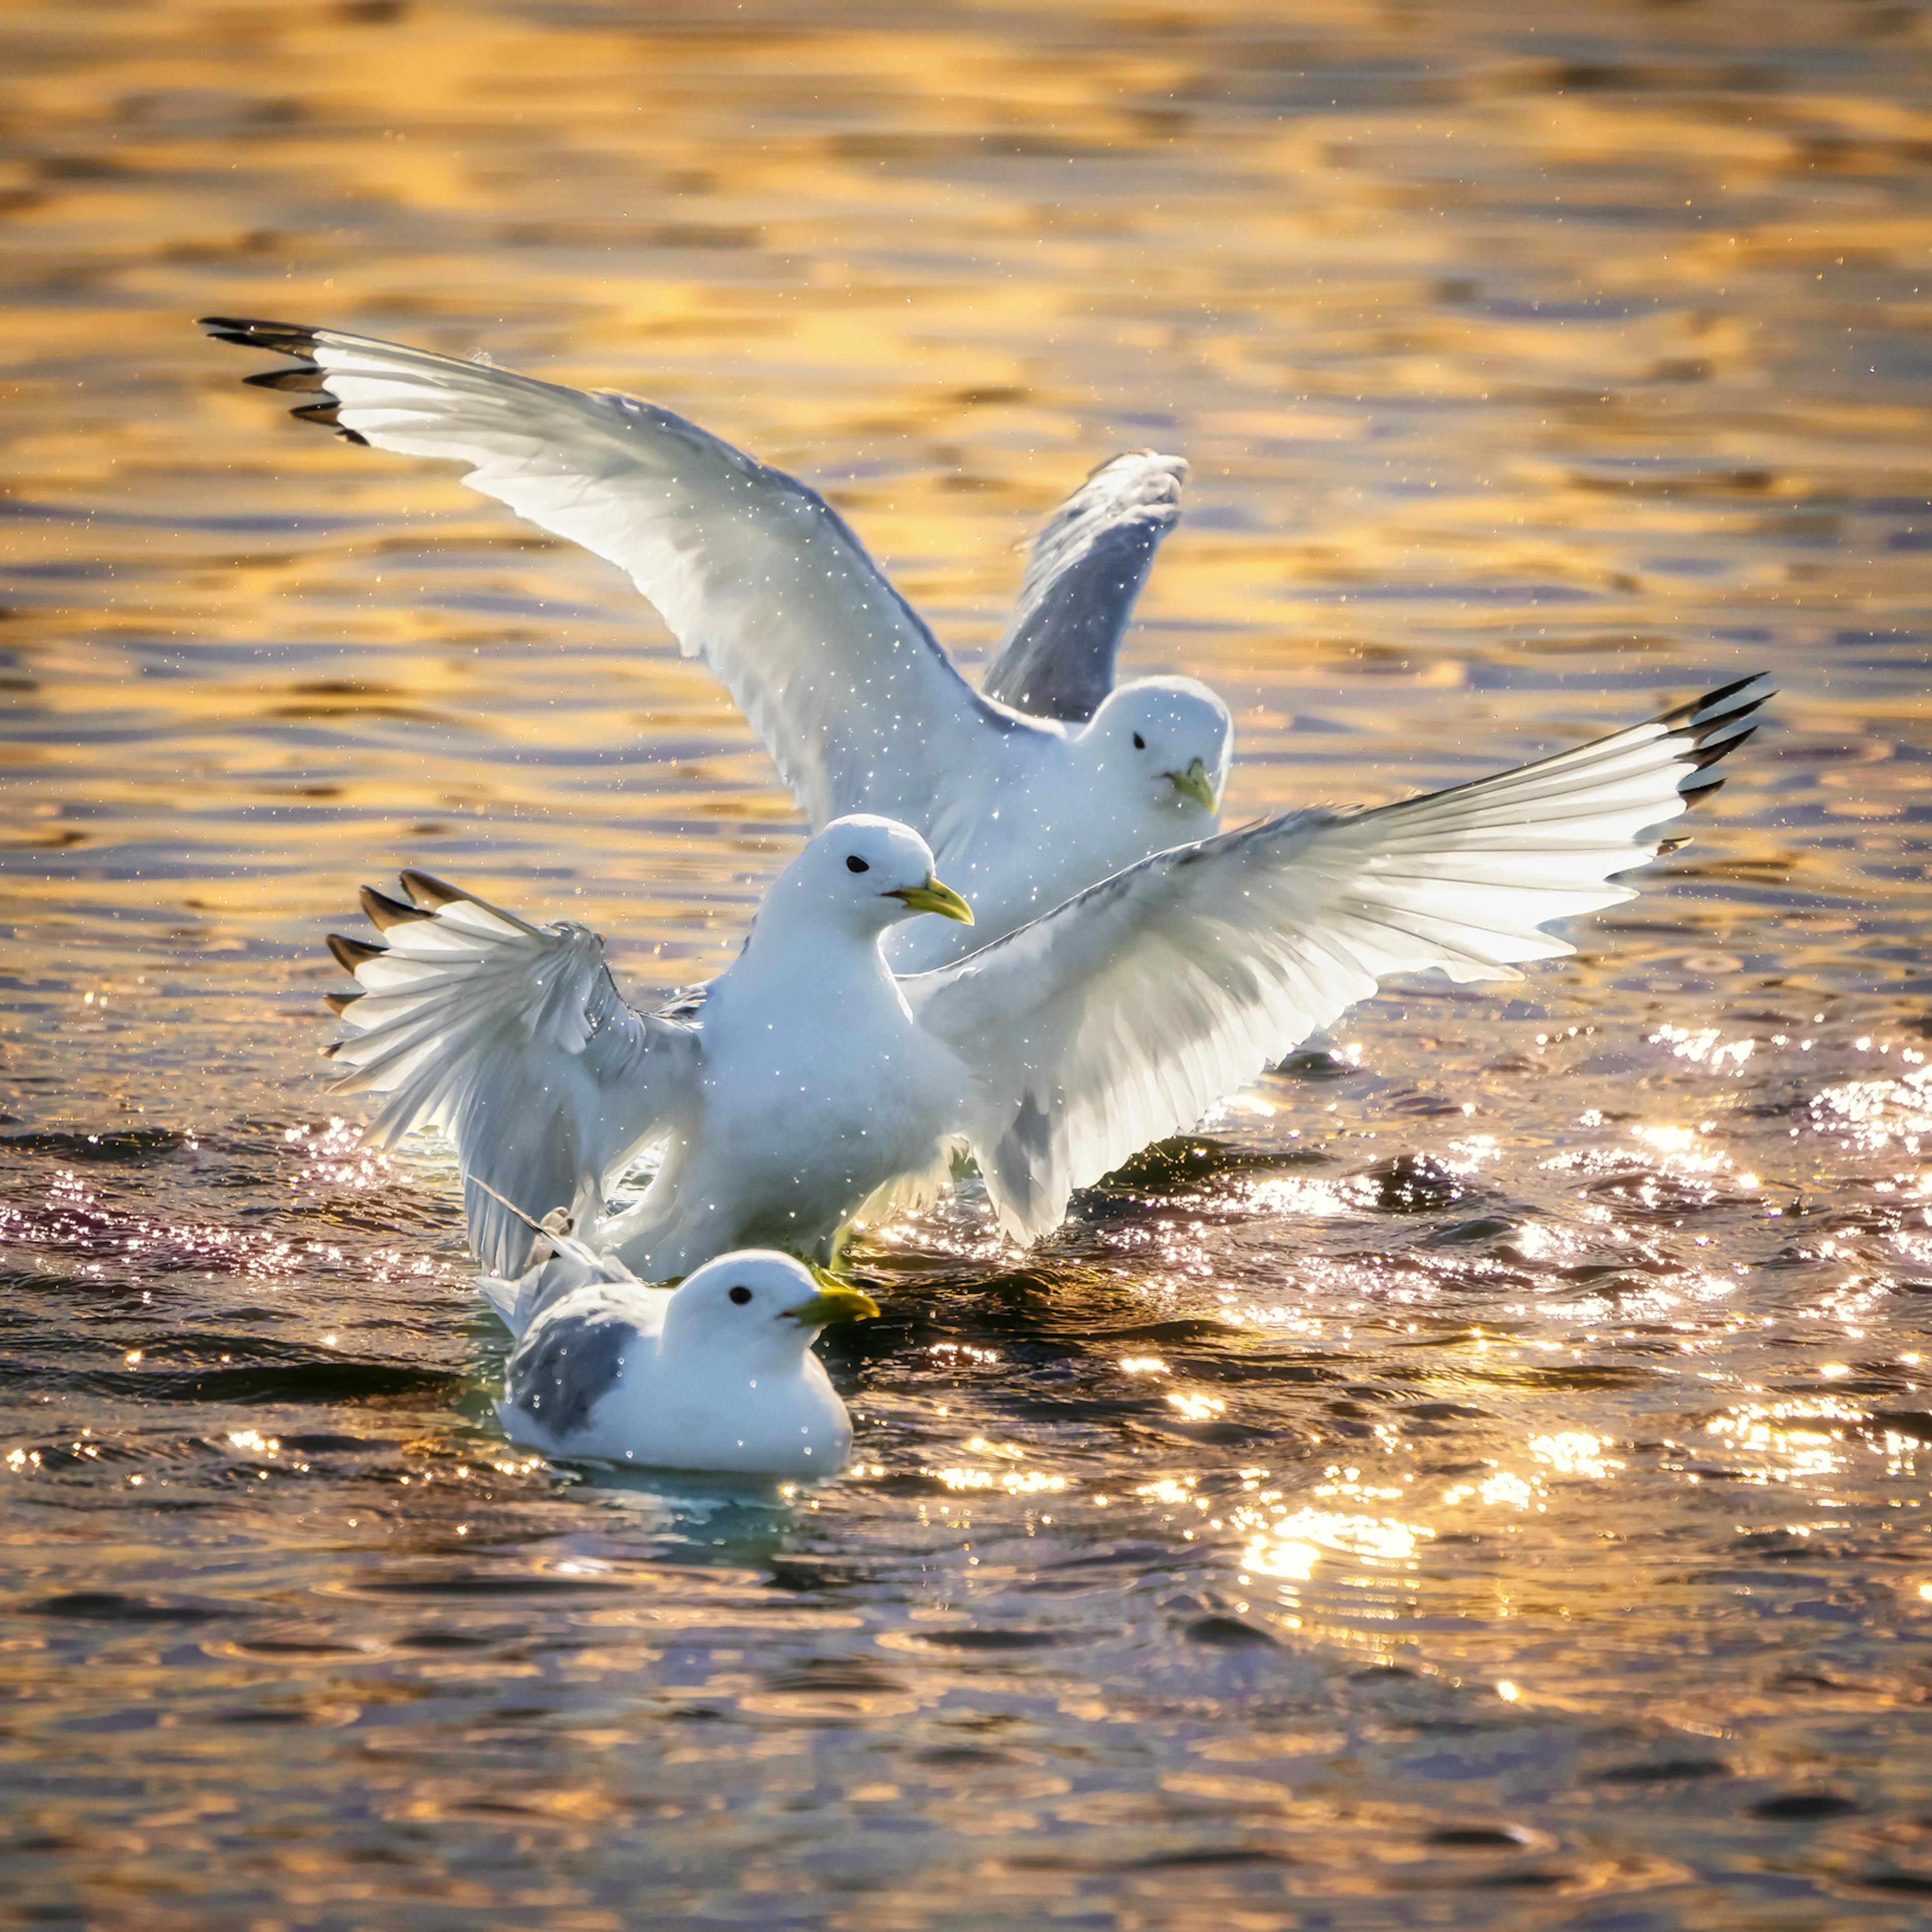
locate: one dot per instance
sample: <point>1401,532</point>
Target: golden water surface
<point>1475,1484</point>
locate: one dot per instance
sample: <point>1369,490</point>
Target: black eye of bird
<point>855,864</point>
<point>741,1296</point>
<point>1140,743</point>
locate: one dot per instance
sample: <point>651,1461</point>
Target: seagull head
<point>1170,740</point>
<point>756,1310</point>
<point>866,874</point>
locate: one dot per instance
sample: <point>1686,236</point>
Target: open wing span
<point>858,705</point>
<point>514,1038</point>
<point>1124,1015</point>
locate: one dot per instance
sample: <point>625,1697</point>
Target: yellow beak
<point>935,897</point>
<point>834,1304</point>
<point>1193,783</point>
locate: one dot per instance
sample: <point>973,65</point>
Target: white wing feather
<point>514,1038</point>
<point>1124,1015</point>
<point>859,707</point>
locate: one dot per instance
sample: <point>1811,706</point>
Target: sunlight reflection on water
<point>1472,1483</point>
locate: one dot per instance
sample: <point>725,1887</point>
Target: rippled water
<point>1476,1482</point>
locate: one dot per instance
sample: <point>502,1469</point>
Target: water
<point>1477,1482</point>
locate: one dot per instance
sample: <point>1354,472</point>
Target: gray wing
<point>515,1038</point>
<point>572,1357</point>
<point>1124,1015</point>
<point>1086,569</point>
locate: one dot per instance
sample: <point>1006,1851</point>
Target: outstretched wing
<point>1087,567</point>
<point>515,1039</point>
<point>1123,1015</point>
<point>856,701</point>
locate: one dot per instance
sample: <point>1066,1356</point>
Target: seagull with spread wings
<point>810,1077</point>
<point>1052,777</point>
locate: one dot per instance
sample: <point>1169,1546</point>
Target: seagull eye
<point>855,864</point>
<point>741,1295</point>
<point>1140,743</point>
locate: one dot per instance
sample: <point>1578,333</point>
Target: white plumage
<point>810,1077</point>
<point>514,1038</point>
<point>859,707</point>
<point>716,1374</point>
<point>1124,1016</point>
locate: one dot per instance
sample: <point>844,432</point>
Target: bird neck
<point>795,947</point>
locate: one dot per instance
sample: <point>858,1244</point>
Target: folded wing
<point>858,707</point>
<point>1087,567</point>
<point>515,1038</point>
<point>1124,1015</point>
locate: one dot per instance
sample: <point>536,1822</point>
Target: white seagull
<point>810,1078</point>
<point>717,1373</point>
<point>1050,779</point>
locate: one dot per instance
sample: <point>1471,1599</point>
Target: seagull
<point>782,1094</point>
<point>717,1373</point>
<point>1051,777</point>
<point>811,1081</point>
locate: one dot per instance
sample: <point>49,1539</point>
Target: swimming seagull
<point>859,706</point>
<point>811,1079</point>
<point>716,1374</point>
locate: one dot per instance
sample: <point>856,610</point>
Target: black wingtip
<point>432,894</point>
<point>1714,707</point>
<point>383,912</point>
<point>1693,794</point>
<point>1709,754</point>
<point>1731,690</point>
<point>290,338</point>
<point>340,1003</point>
<point>324,412</point>
<point>1699,731</point>
<point>351,953</point>
<point>305,376</point>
